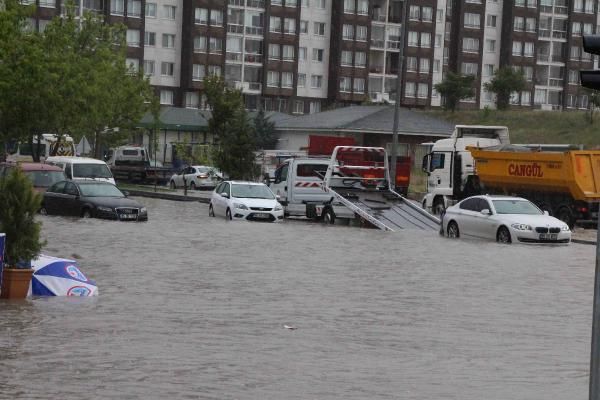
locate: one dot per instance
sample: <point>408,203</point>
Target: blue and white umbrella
<point>59,277</point>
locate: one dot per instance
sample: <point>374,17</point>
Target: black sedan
<point>91,199</point>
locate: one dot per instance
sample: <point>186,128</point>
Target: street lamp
<point>398,96</point>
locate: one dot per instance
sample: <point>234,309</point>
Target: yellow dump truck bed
<point>575,172</point>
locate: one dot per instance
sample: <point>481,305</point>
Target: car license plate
<point>261,216</point>
<point>548,236</point>
<point>127,216</point>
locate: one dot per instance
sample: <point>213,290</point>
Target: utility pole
<point>398,96</point>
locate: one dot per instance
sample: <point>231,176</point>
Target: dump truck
<point>481,160</point>
<point>566,184</point>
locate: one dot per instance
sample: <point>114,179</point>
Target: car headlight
<point>565,228</point>
<point>143,210</point>
<point>278,208</point>
<point>104,209</point>
<point>240,206</point>
<point>522,227</point>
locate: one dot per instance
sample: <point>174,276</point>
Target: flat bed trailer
<point>361,183</point>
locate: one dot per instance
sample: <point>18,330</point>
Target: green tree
<point>454,88</point>
<point>264,129</point>
<point>505,81</point>
<point>230,126</point>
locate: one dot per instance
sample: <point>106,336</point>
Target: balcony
<point>393,44</point>
<point>376,69</point>
<point>559,34</point>
<point>233,28</point>
<point>254,30</point>
<point>555,82</point>
<point>543,57</point>
<point>239,3</point>
<point>379,17</point>
<point>255,3</point>
<point>562,10</point>
<point>253,58</point>
<point>544,33</point>
<point>235,57</point>
<point>378,44</point>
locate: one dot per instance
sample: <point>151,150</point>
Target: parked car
<point>89,199</point>
<point>245,200</point>
<point>42,176</point>
<point>196,177</point>
<point>83,168</point>
<point>505,219</point>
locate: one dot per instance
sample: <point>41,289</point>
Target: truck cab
<point>450,167</point>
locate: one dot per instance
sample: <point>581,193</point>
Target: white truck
<point>299,184</point>
<point>49,146</point>
<point>131,163</point>
<point>450,166</point>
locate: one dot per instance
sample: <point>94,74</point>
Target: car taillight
<point>582,209</point>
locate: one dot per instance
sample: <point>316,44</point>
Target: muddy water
<point>194,307</point>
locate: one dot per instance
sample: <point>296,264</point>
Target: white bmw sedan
<point>245,201</point>
<point>504,219</point>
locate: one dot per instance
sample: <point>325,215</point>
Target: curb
<point>581,241</point>
<point>167,196</point>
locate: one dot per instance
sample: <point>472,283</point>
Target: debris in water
<point>292,327</point>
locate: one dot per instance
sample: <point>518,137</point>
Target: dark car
<point>41,175</point>
<point>91,199</point>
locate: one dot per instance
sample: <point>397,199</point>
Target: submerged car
<point>42,176</point>
<point>196,177</point>
<point>242,200</point>
<point>504,219</point>
<point>89,199</point>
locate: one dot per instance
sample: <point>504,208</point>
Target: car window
<point>57,187</point>
<point>45,178</point>
<point>91,171</point>
<point>281,173</point>
<point>225,188</point>
<point>219,187</point>
<point>68,172</point>
<point>311,170</point>
<point>484,205</point>
<point>100,190</point>
<point>470,204</point>
<point>516,207</point>
<point>246,191</point>
<point>437,161</point>
<point>71,189</point>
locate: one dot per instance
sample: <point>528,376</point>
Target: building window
<point>272,78</point>
<point>168,41</point>
<point>214,70</point>
<point>472,20</point>
<point>301,80</point>
<point>133,38</point>
<point>589,9</point>
<point>361,33</point>
<point>169,12</point>
<point>409,89</point>
<point>426,14</point>
<point>319,28</point>
<point>359,85</point>
<point>321,4</point>
<point>201,16</point>
<point>216,17</point>
<point>166,97</point>
<point>349,6</point>
<point>198,72</point>
<point>490,45</point>
<point>149,67</point>
<point>302,53</point>
<point>345,84</point>
<point>274,51</point>
<point>167,68</point>
<point>528,73</point>
<point>424,65</point>
<point>517,48</point>
<point>315,107</point>
<point>573,76</point>
<point>304,27</point>
<point>151,10</point>
<point>468,68</point>
<point>360,59</point>
<point>346,58</point>
<point>287,80</point>
<point>470,45</point>
<point>317,55</point>
<point>348,32</point>
<point>215,45</point>
<point>528,49</point>
<point>134,8</point>
<point>425,39</point>
<point>200,44</point>
<point>316,81</point>
<point>291,3</point>
<point>132,64</point>
<point>305,3</point>
<point>436,66</point>
<point>530,24</point>
<point>411,64</point>
<point>149,38</point>
<point>363,7</point>
<point>277,2</point>
<point>117,7</point>
<point>413,39</point>
<point>288,53</point>
<point>275,24</point>
<point>414,13</point>
<point>491,20</point>
<point>298,107</point>
<point>191,100</point>
<point>422,90</point>
<point>289,26</point>
<point>488,69</point>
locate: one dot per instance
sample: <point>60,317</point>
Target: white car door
<point>221,202</point>
<point>466,216</point>
<point>483,224</point>
<point>307,183</point>
<point>280,185</point>
<point>190,176</point>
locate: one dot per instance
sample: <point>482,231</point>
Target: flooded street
<point>194,307</point>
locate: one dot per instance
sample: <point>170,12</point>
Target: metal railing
<point>234,28</point>
<point>233,57</point>
<point>236,3</point>
<point>254,30</point>
<point>380,44</point>
<point>253,58</point>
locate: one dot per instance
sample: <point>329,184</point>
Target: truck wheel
<point>172,185</point>
<point>329,216</point>
<point>566,215</point>
<point>86,213</point>
<point>503,235</point>
<point>438,206</point>
<point>453,231</point>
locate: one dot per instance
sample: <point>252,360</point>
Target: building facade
<point>303,56</point>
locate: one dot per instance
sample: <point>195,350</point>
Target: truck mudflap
<point>387,210</point>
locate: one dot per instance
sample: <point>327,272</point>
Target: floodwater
<point>192,307</point>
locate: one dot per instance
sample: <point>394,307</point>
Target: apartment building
<point>302,56</point>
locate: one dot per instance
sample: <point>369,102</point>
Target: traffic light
<point>590,78</point>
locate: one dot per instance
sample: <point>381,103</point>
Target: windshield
<point>100,190</point>
<point>516,207</point>
<point>251,192</point>
<point>91,171</point>
<point>45,178</point>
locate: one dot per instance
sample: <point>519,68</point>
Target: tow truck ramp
<point>362,184</point>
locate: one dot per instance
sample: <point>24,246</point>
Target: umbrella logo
<point>75,273</point>
<point>80,291</point>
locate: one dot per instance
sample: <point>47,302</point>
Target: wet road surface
<point>195,307</point>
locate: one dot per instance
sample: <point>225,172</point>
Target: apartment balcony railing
<point>379,17</point>
<point>254,30</point>
<point>395,19</point>
<point>237,57</point>
<point>543,57</point>
<point>253,58</point>
<point>555,82</point>
<point>544,33</point>
<point>376,69</point>
<point>236,2</point>
<point>563,10</point>
<point>541,80</point>
<point>393,44</point>
<point>546,9</point>
<point>559,34</point>
<point>254,86</point>
<point>558,58</point>
<point>379,44</point>
<point>234,28</point>
<point>255,3</point>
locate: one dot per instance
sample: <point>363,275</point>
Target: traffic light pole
<point>398,98</point>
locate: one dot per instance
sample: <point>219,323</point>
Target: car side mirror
<point>278,197</point>
<point>225,194</point>
<point>485,211</point>
<point>125,193</point>
<point>546,212</point>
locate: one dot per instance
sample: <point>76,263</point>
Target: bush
<point>19,204</point>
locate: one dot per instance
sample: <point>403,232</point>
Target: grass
<point>527,127</point>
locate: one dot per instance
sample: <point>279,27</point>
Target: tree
<point>230,126</point>
<point>454,88</point>
<point>594,101</point>
<point>505,82</point>
<point>264,130</point>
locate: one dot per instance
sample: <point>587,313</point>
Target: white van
<point>83,168</point>
<point>22,152</point>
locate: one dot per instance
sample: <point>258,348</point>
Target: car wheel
<point>192,186</point>
<point>172,185</point>
<point>453,231</point>
<point>503,235</point>
<point>86,213</point>
<point>43,210</point>
<point>329,216</point>
<point>228,214</point>
<point>438,207</point>
<point>566,215</point>
<point>211,212</point>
